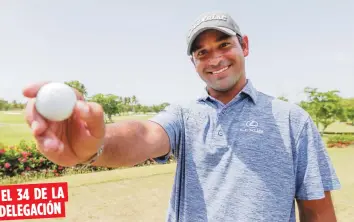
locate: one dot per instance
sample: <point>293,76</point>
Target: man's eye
<point>201,53</point>
<point>224,44</point>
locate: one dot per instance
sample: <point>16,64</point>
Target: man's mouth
<point>220,70</point>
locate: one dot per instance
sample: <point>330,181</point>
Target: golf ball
<point>56,101</point>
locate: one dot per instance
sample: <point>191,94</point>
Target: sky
<point>139,47</point>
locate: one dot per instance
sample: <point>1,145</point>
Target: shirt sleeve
<point>315,173</point>
<point>170,119</point>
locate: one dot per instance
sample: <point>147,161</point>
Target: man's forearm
<point>317,210</point>
<point>125,144</point>
<point>307,216</point>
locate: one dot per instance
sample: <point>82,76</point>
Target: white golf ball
<point>56,101</point>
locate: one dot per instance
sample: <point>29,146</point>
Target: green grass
<point>13,134</point>
<point>344,199</point>
<point>13,127</point>
<point>12,117</point>
<point>338,127</point>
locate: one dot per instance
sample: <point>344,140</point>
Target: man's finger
<point>79,95</point>
<point>37,123</point>
<point>49,143</point>
<point>93,115</point>
<point>31,90</point>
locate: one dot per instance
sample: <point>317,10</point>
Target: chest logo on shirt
<point>252,126</point>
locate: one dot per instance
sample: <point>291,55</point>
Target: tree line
<point>324,107</point>
<point>112,104</point>
<point>327,107</point>
<point>116,105</point>
<point>6,105</point>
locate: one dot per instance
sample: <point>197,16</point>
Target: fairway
<point>142,193</point>
<point>12,117</point>
<point>12,134</point>
<point>13,127</point>
<point>339,128</point>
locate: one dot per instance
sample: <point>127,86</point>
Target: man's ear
<point>245,46</point>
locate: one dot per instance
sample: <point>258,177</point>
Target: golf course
<point>142,193</point>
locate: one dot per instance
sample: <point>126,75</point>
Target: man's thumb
<point>93,114</point>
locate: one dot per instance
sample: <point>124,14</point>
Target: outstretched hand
<point>71,141</point>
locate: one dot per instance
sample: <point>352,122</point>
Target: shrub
<point>340,141</point>
<point>25,160</point>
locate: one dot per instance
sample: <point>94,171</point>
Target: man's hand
<point>317,210</point>
<point>69,142</point>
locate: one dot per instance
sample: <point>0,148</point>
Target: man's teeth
<point>221,70</point>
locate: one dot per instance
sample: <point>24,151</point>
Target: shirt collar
<point>249,90</point>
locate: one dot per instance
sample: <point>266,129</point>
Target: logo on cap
<point>205,19</point>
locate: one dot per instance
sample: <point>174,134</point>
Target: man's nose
<point>215,60</point>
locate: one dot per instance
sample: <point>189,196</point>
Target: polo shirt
<point>244,161</point>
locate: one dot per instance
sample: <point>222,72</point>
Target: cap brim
<point>195,35</point>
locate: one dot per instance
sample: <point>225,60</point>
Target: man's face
<point>219,59</point>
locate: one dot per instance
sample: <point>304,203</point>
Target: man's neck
<point>226,96</point>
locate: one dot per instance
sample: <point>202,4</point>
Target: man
<point>241,155</point>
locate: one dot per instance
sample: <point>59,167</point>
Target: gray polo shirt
<point>244,161</point>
